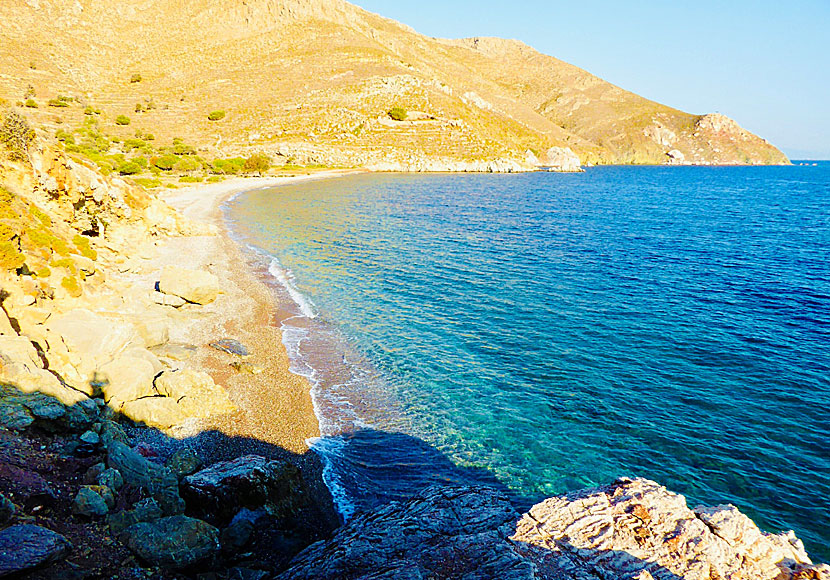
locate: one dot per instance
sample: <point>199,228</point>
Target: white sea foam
<point>286,279</point>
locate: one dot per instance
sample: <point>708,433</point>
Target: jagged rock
<point>230,346</point>
<point>14,415</point>
<point>632,529</point>
<point>110,478</point>
<point>195,286</point>
<point>156,479</point>
<point>7,509</point>
<point>636,526</point>
<point>562,159</point>
<point>676,157</point>
<point>26,486</point>
<point>24,547</point>
<point>458,532</point>
<point>246,574</point>
<point>126,379</point>
<point>88,502</point>
<point>252,481</point>
<point>173,542</point>
<point>112,431</point>
<point>147,510</point>
<point>90,437</point>
<point>93,473</point>
<point>183,462</point>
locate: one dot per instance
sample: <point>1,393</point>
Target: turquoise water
<point>550,332</point>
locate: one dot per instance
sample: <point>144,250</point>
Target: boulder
<point>110,478</point>
<point>25,547</point>
<point>163,299</point>
<point>196,286</point>
<point>89,503</point>
<point>21,366</point>
<point>156,479</point>
<point>7,509</point>
<point>125,379</point>
<point>153,328</point>
<point>172,542</point>
<point>195,392</point>
<point>221,490</point>
<point>146,510</point>
<point>157,412</point>
<point>183,462</point>
<point>28,487</point>
<point>230,346</point>
<point>562,159</point>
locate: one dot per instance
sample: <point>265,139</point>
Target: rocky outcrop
<point>196,286</point>
<point>633,529</point>
<point>562,159</point>
<point>173,542</point>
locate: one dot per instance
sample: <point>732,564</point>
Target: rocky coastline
<point>150,428</point>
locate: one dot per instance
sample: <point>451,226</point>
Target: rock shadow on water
<point>369,468</point>
<point>87,493</point>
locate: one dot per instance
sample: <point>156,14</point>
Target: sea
<point>547,332</point>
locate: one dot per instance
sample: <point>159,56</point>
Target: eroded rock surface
<point>632,529</point>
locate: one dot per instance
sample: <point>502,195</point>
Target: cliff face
<point>313,81</point>
<point>631,529</point>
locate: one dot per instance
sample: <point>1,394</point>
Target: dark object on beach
<point>231,346</point>
<point>26,546</point>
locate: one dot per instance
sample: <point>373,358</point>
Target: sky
<point>765,64</point>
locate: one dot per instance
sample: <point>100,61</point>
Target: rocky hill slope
<point>313,81</point>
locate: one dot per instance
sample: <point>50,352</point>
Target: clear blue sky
<point>764,63</point>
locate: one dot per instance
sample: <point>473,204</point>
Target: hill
<point>313,81</point>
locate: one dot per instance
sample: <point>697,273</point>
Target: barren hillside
<point>313,81</point>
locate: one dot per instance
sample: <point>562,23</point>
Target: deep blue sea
<point>548,332</point>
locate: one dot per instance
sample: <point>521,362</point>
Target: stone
<point>252,481</point>
<point>146,510</point>
<point>157,412</point>
<point>88,502</point>
<point>25,547</point>
<point>153,328</point>
<point>246,574</point>
<point>562,159</point>
<point>7,509</point>
<point>156,479</point>
<point>239,532</point>
<point>246,367</point>
<point>230,346</point>
<point>172,542</point>
<point>127,379</point>
<point>14,415</point>
<point>195,393</point>
<point>93,473</point>
<point>175,352</point>
<point>110,478</point>
<point>28,487</point>
<point>163,299</point>
<point>112,431</point>
<point>184,462</point>
<point>196,286</point>
<point>90,437</point>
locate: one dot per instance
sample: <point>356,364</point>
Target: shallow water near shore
<point>551,332</point>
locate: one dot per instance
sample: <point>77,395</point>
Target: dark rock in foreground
<point>632,529</point>
<point>173,542</point>
<point>25,547</point>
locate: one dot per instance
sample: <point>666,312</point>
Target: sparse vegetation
<point>83,246</point>
<point>129,168</point>
<point>216,115</point>
<point>139,108</point>
<point>31,104</point>
<point>122,120</point>
<point>60,101</point>
<point>16,135</point>
<point>398,114</point>
<point>191,179</point>
<point>136,78</point>
<point>257,163</point>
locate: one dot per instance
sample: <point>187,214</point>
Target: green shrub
<point>257,163</point>
<point>57,103</point>
<point>190,179</point>
<point>83,246</point>
<point>149,137</point>
<point>70,283</point>
<point>182,149</point>
<point>187,164</point>
<point>89,110</point>
<point>165,162</point>
<point>129,168</point>
<point>136,78</point>
<point>16,135</point>
<point>142,161</point>
<point>228,166</point>
<point>398,113</point>
<point>215,178</point>
<point>65,137</point>
<point>122,120</point>
<point>139,108</point>
<point>30,92</point>
<point>31,103</point>
<point>130,144</point>
<point>147,181</point>
<point>216,115</point>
